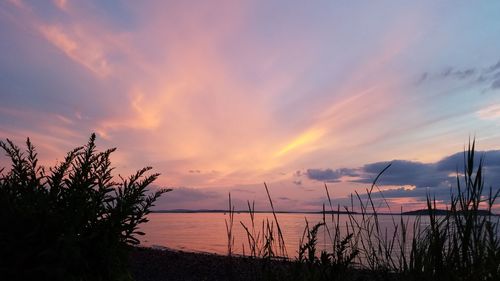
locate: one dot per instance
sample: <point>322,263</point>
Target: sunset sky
<point>221,96</point>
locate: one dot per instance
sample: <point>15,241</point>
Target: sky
<point>222,96</point>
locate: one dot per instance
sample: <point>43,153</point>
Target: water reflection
<point>206,232</point>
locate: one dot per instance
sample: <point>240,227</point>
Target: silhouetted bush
<point>72,221</point>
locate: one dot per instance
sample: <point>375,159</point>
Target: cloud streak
<point>248,92</point>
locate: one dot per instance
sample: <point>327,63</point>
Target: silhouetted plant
<point>461,243</point>
<point>307,250</point>
<point>229,228</point>
<point>268,242</point>
<point>72,221</point>
<point>465,243</point>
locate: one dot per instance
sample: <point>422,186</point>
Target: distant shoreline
<point>422,212</point>
<point>181,211</point>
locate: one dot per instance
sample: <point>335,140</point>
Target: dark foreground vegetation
<point>71,221</point>
<point>74,222</point>
<point>459,243</point>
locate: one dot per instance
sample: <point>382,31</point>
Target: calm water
<point>206,232</point>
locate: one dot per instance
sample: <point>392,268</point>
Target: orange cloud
<point>303,140</point>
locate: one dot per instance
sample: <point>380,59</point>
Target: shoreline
<point>415,213</point>
<point>153,264</point>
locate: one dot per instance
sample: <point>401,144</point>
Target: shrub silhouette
<point>72,222</point>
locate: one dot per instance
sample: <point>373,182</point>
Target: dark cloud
<point>489,75</point>
<point>349,172</point>
<point>341,202</point>
<point>206,198</point>
<point>456,73</point>
<point>493,67</point>
<point>441,173</point>
<point>450,72</point>
<point>495,84</point>
<point>403,172</point>
<point>194,171</point>
<point>298,173</point>
<point>434,179</point>
<point>186,194</point>
<point>456,161</point>
<point>297,182</point>
<point>323,175</point>
<point>439,193</point>
<point>464,74</point>
<point>423,77</point>
<point>242,190</point>
<point>329,175</point>
<point>452,163</point>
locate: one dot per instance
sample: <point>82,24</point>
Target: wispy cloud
<point>77,48</point>
<point>491,112</point>
<point>247,92</point>
<point>487,76</point>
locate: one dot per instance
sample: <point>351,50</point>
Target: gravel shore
<point>148,264</point>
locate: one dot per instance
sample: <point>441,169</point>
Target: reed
<point>463,244</point>
<point>266,242</point>
<point>229,228</point>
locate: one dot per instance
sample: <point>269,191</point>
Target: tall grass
<point>462,244</point>
<point>266,242</point>
<point>465,243</point>
<point>229,228</point>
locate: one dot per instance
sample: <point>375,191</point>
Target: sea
<point>207,232</point>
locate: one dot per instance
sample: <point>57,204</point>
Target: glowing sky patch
<point>244,92</point>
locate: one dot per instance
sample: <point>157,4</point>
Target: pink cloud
<point>79,47</point>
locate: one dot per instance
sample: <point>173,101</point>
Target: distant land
<point>440,212</point>
<point>420,212</point>
<point>246,211</point>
